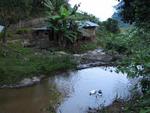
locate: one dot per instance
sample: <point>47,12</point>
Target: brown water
<point>75,85</point>
<point>25,100</point>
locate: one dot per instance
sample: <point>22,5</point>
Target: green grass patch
<point>83,47</point>
<point>88,46</point>
<point>23,30</point>
<point>19,62</point>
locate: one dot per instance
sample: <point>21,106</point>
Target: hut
<point>43,37</point>
<point>87,29</point>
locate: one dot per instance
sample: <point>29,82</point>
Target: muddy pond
<point>75,86</point>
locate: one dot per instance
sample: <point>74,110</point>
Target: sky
<point>103,9</point>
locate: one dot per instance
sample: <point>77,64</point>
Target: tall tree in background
<point>111,25</point>
<point>11,11</point>
<point>136,11</point>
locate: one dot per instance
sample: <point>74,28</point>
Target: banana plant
<point>60,20</point>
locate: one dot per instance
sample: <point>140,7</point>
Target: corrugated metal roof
<point>87,24</point>
<point>81,24</point>
<point>1,28</point>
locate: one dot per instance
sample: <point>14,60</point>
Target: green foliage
<point>104,36</point>
<point>22,30</point>
<point>62,20</point>
<point>87,46</point>
<point>1,35</point>
<point>85,16</point>
<point>13,10</point>
<point>135,45</point>
<point>139,104</point>
<point>111,25</point>
<point>136,11</point>
<point>20,62</point>
<point>138,52</point>
<point>145,111</point>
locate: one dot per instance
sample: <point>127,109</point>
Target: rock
<point>77,55</point>
<point>61,53</point>
<point>26,81</point>
<point>35,79</point>
<point>26,43</point>
<point>29,81</point>
<point>94,56</point>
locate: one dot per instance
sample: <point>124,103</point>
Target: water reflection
<point>113,85</point>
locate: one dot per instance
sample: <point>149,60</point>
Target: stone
<point>35,79</point>
<point>26,43</point>
<point>26,81</point>
<point>97,57</point>
<point>61,53</point>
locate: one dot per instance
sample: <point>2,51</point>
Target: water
<point>75,86</point>
<point>80,83</point>
<point>25,100</point>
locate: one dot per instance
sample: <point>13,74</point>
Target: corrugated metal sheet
<point>84,24</point>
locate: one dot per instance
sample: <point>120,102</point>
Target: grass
<point>88,46</point>
<point>18,63</point>
<point>23,30</point>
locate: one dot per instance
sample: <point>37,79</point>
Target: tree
<point>111,25</point>
<point>61,19</point>
<point>136,11</point>
<point>11,11</point>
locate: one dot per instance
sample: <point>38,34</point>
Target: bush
<point>111,25</point>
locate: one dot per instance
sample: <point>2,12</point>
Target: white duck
<point>95,92</point>
<point>99,92</point>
